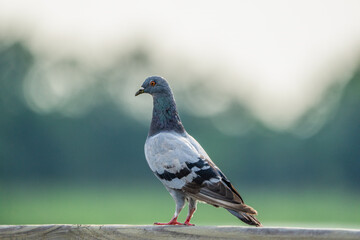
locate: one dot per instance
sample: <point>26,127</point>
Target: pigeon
<point>182,165</point>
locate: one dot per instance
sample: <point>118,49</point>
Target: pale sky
<point>276,57</point>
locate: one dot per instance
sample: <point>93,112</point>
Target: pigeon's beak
<point>141,90</point>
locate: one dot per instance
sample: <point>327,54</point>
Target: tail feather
<point>241,207</point>
<point>246,218</point>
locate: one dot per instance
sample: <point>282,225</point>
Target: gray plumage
<point>182,165</point>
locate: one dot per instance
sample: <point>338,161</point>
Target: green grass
<point>145,205</point>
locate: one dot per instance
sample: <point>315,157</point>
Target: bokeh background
<point>271,89</point>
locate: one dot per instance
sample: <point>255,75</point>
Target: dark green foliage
<point>106,144</point>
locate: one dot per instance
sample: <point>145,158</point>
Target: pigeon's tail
<point>246,218</point>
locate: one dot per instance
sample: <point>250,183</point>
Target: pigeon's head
<point>155,86</point>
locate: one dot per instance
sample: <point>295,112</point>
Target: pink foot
<point>169,223</point>
<point>187,223</point>
<point>172,222</point>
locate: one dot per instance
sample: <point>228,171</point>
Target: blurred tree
<point>106,144</point>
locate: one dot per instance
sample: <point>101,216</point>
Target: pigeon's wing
<point>179,163</point>
<point>197,146</point>
<point>207,159</point>
<point>168,155</point>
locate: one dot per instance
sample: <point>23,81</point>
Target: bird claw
<point>169,223</point>
<point>188,224</point>
<point>174,223</point>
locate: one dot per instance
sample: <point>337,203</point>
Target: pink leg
<point>173,221</point>
<point>187,221</point>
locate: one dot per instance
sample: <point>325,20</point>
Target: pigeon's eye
<point>152,83</point>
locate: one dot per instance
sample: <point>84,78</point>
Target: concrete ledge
<point>57,231</point>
